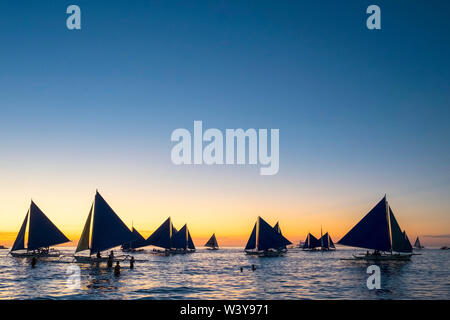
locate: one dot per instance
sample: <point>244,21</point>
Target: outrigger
<point>41,234</point>
<point>102,231</point>
<point>379,231</point>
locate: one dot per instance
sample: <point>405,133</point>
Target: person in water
<point>117,269</point>
<point>33,261</point>
<point>132,262</point>
<point>110,262</point>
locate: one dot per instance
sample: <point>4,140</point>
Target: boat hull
<point>30,254</point>
<point>384,257</point>
<point>267,253</point>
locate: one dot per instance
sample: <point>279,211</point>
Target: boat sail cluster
<point>265,240</point>
<point>378,230</point>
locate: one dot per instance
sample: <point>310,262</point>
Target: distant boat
<point>326,243</point>
<point>311,243</point>
<point>417,244</point>
<point>265,241</point>
<point>102,231</point>
<point>162,237</point>
<point>133,246</point>
<point>172,241</point>
<point>182,242</point>
<point>212,243</point>
<point>42,234</point>
<point>379,231</point>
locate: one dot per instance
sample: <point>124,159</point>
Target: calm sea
<point>216,275</point>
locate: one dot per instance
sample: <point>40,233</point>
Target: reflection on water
<point>216,275</point>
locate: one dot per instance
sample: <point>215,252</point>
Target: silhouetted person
<point>110,262</point>
<point>117,269</point>
<point>132,262</point>
<point>33,262</point>
<point>253,267</point>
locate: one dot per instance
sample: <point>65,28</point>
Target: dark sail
<point>372,232</point>
<point>268,238</point>
<point>326,241</point>
<point>138,243</point>
<point>190,242</point>
<point>163,235</point>
<point>278,230</point>
<point>212,242</point>
<point>42,232</point>
<point>397,236</point>
<point>19,243</point>
<point>311,242</point>
<point>251,243</point>
<point>407,247</point>
<point>417,244</point>
<point>108,229</point>
<point>180,239</point>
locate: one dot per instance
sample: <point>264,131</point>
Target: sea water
<point>216,275</point>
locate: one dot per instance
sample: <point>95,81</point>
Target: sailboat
<point>417,244</point>
<point>379,231</point>
<point>42,234</point>
<point>311,243</point>
<point>102,231</point>
<point>162,237</point>
<point>212,243</point>
<point>326,243</point>
<point>264,241</point>
<point>135,245</point>
<point>182,242</point>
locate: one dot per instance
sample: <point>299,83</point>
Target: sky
<point>361,113</point>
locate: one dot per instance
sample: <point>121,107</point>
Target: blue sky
<point>360,112</point>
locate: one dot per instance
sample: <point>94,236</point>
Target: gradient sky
<point>361,113</point>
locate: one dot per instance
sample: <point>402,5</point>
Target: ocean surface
<point>216,275</point>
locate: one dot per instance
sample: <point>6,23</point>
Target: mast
<point>388,220</point>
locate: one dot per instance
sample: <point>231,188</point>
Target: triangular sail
<point>108,229</point>
<point>180,239</point>
<point>19,243</point>
<point>83,243</point>
<point>212,242</point>
<point>407,247</point>
<point>251,243</point>
<point>163,235</point>
<point>311,242</point>
<point>398,237</point>
<point>417,243</point>
<point>278,230</point>
<point>372,232</point>
<point>190,242</point>
<point>42,232</point>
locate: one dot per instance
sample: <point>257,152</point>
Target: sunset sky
<point>361,113</point>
